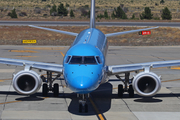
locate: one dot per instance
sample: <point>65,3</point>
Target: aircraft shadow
<point>29,98</point>
<point>101,98</point>
<point>148,100</point>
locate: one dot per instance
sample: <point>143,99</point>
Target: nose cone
<point>82,84</point>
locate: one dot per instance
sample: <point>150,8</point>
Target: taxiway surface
<point>104,102</point>
<point>83,23</point>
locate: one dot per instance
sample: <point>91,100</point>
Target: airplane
<point>84,68</point>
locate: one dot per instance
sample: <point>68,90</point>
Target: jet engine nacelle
<point>146,84</point>
<point>27,82</point>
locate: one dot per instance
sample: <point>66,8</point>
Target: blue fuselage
<point>84,62</point>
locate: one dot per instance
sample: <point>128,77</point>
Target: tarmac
<point>86,23</point>
<point>104,103</point>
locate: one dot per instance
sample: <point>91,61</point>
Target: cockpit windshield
<point>76,60</point>
<point>89,60</point>
<point>83,60</point>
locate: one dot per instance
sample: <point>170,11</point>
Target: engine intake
<point>146,84</point>
<point>27,82</point>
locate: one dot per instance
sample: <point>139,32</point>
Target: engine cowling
<point>146,84</point>
<point>27,82</point>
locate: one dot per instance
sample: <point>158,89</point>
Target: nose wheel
<point>83,106</point>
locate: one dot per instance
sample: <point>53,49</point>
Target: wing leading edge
<point>54,30</point>
<point>32,64</point>
<point>117,69</point>
<point>127,32</point>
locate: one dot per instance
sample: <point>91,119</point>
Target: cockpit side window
<point>98,59</point>
<point>89,60</point>
<point>76,60</point>
<point>67,59</point>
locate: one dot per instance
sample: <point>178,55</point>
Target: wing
<point>127,32</point>
<point>33,64</point>
<point>117,69</point>
<point>54,30</point>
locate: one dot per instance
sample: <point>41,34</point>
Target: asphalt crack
<point>130,61</point>
<point>129,108</point>
<point>178,97</point>
<point>7,96</point>
<point>158,58</point>
<point>65,98</point>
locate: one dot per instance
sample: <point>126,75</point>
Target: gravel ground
<point>163,36</point>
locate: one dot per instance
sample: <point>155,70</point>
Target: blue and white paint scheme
<point>84,66</point>
<point>91,47</point>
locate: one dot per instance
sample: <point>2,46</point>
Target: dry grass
<point>99,3</point>
<point>13,35</point>
<point>134,6</point>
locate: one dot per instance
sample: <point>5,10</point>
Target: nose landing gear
<point>82,103</point>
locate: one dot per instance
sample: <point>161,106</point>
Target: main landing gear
<point>126,82</point>
<point>82,102</point>
<point>48,86</point>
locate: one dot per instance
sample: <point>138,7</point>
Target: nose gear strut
<point>82,102</point>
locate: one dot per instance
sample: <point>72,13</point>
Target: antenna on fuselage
<point>92,15</point>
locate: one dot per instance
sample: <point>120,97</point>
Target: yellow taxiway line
<point>23,51</point>
<point>171,80</point>
<point>62,54</point>
<point>17,101</point>
<point>44,48</point>
<point>175,68</point>
<point>10,102</point>
<point>25,56</point>
<point>100,116</point>
<point>2,80</point>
